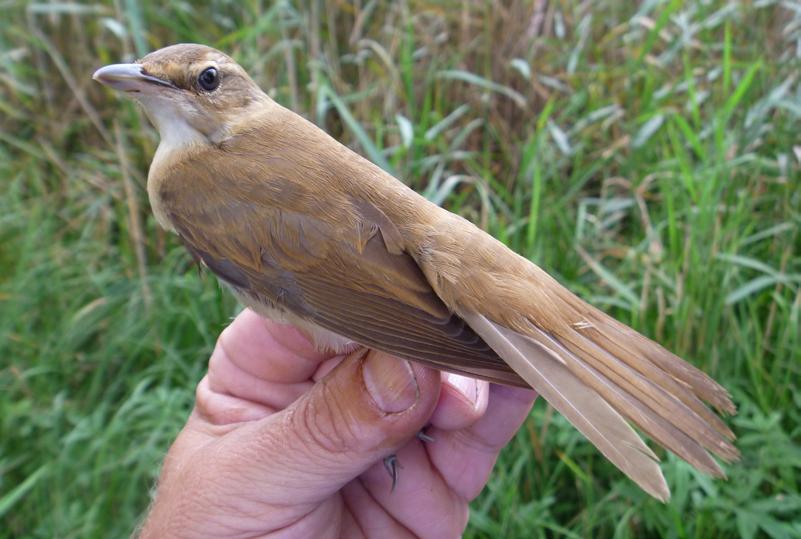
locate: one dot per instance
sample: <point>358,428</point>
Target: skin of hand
<point>286,441</point>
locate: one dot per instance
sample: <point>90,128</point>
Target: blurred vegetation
<point>646,154</point>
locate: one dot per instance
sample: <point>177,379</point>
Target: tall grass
<point>646,155</point>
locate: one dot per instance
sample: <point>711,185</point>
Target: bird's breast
<point>167,158</point>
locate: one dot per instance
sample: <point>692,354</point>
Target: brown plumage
<point>302,228</point>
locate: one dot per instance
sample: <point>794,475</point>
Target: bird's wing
<point>345,273</point>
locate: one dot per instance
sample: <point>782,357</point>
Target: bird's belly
<point>322,338</point>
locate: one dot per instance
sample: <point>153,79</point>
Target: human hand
<point>287,441</point>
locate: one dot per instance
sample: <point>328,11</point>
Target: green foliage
<point>645,155</point>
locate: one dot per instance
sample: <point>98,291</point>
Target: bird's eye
<point>209,79</point>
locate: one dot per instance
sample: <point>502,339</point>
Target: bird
<point>304,230</point>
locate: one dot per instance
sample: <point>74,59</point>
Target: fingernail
<point>467,387</point>
<point>390,382</point>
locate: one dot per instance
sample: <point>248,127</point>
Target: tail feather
<point>612,378</point>
<point>659,426</point>
<point>547,372</point>
<point>643,375</point>
<point>685,381</point>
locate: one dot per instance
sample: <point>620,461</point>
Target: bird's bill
<point>128,78</point>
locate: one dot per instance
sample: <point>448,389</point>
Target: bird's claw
<point>423,437</point>
<point>392,466</point>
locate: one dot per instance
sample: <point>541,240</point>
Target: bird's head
<point>191,93</point>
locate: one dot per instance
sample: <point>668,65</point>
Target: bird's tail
<point>599,373</point>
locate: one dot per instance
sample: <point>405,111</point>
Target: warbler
<point>304,230</point>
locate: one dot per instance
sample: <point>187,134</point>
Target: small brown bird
<point>304,230</point>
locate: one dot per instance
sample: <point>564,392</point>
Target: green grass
<point>649,160</point>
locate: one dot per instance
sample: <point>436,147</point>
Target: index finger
<point>267,350</point>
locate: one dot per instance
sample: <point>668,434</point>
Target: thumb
<point>363,411</point>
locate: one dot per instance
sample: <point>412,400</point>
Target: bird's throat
<point>178,141</point>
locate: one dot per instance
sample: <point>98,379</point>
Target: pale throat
<point>177,137</point>
<point>176,133</point>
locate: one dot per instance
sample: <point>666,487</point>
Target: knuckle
<point>218,358</point>
<point>326,425</point>
<point>221,355</point>
<point>204,397</point>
